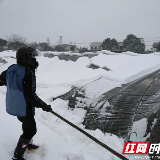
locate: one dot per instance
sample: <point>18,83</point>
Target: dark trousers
<point>28,126</point>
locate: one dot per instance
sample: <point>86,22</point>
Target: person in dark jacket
<point>21,97</point>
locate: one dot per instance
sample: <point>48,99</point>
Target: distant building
<point>96,46</point>
<point>152,50</point>
<point>118,49</point>
<point>120,46</point>
<point>69,47</point>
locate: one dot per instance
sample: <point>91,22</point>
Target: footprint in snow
<point>74,157</point>
<point>38,154</point>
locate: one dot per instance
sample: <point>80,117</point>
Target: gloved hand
<point>47,108</point>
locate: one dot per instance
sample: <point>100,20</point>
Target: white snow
<point>55,77</point>
<point>137,133</point>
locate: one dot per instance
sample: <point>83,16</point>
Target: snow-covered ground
<point>58,140</point>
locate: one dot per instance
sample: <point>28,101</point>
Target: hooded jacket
<point>21,97</point>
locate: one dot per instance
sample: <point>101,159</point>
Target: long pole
<point>91,137</point>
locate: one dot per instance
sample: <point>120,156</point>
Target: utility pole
<point>48,41</point>
<point>60,40</point>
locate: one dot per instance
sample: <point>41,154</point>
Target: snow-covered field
<point>57,140</point>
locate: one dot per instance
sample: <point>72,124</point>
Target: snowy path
<point>81,147</point>
<point>56,139</point>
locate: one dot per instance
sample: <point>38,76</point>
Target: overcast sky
<point>80,21</point>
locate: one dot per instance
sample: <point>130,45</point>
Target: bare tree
<point>16,38</point>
